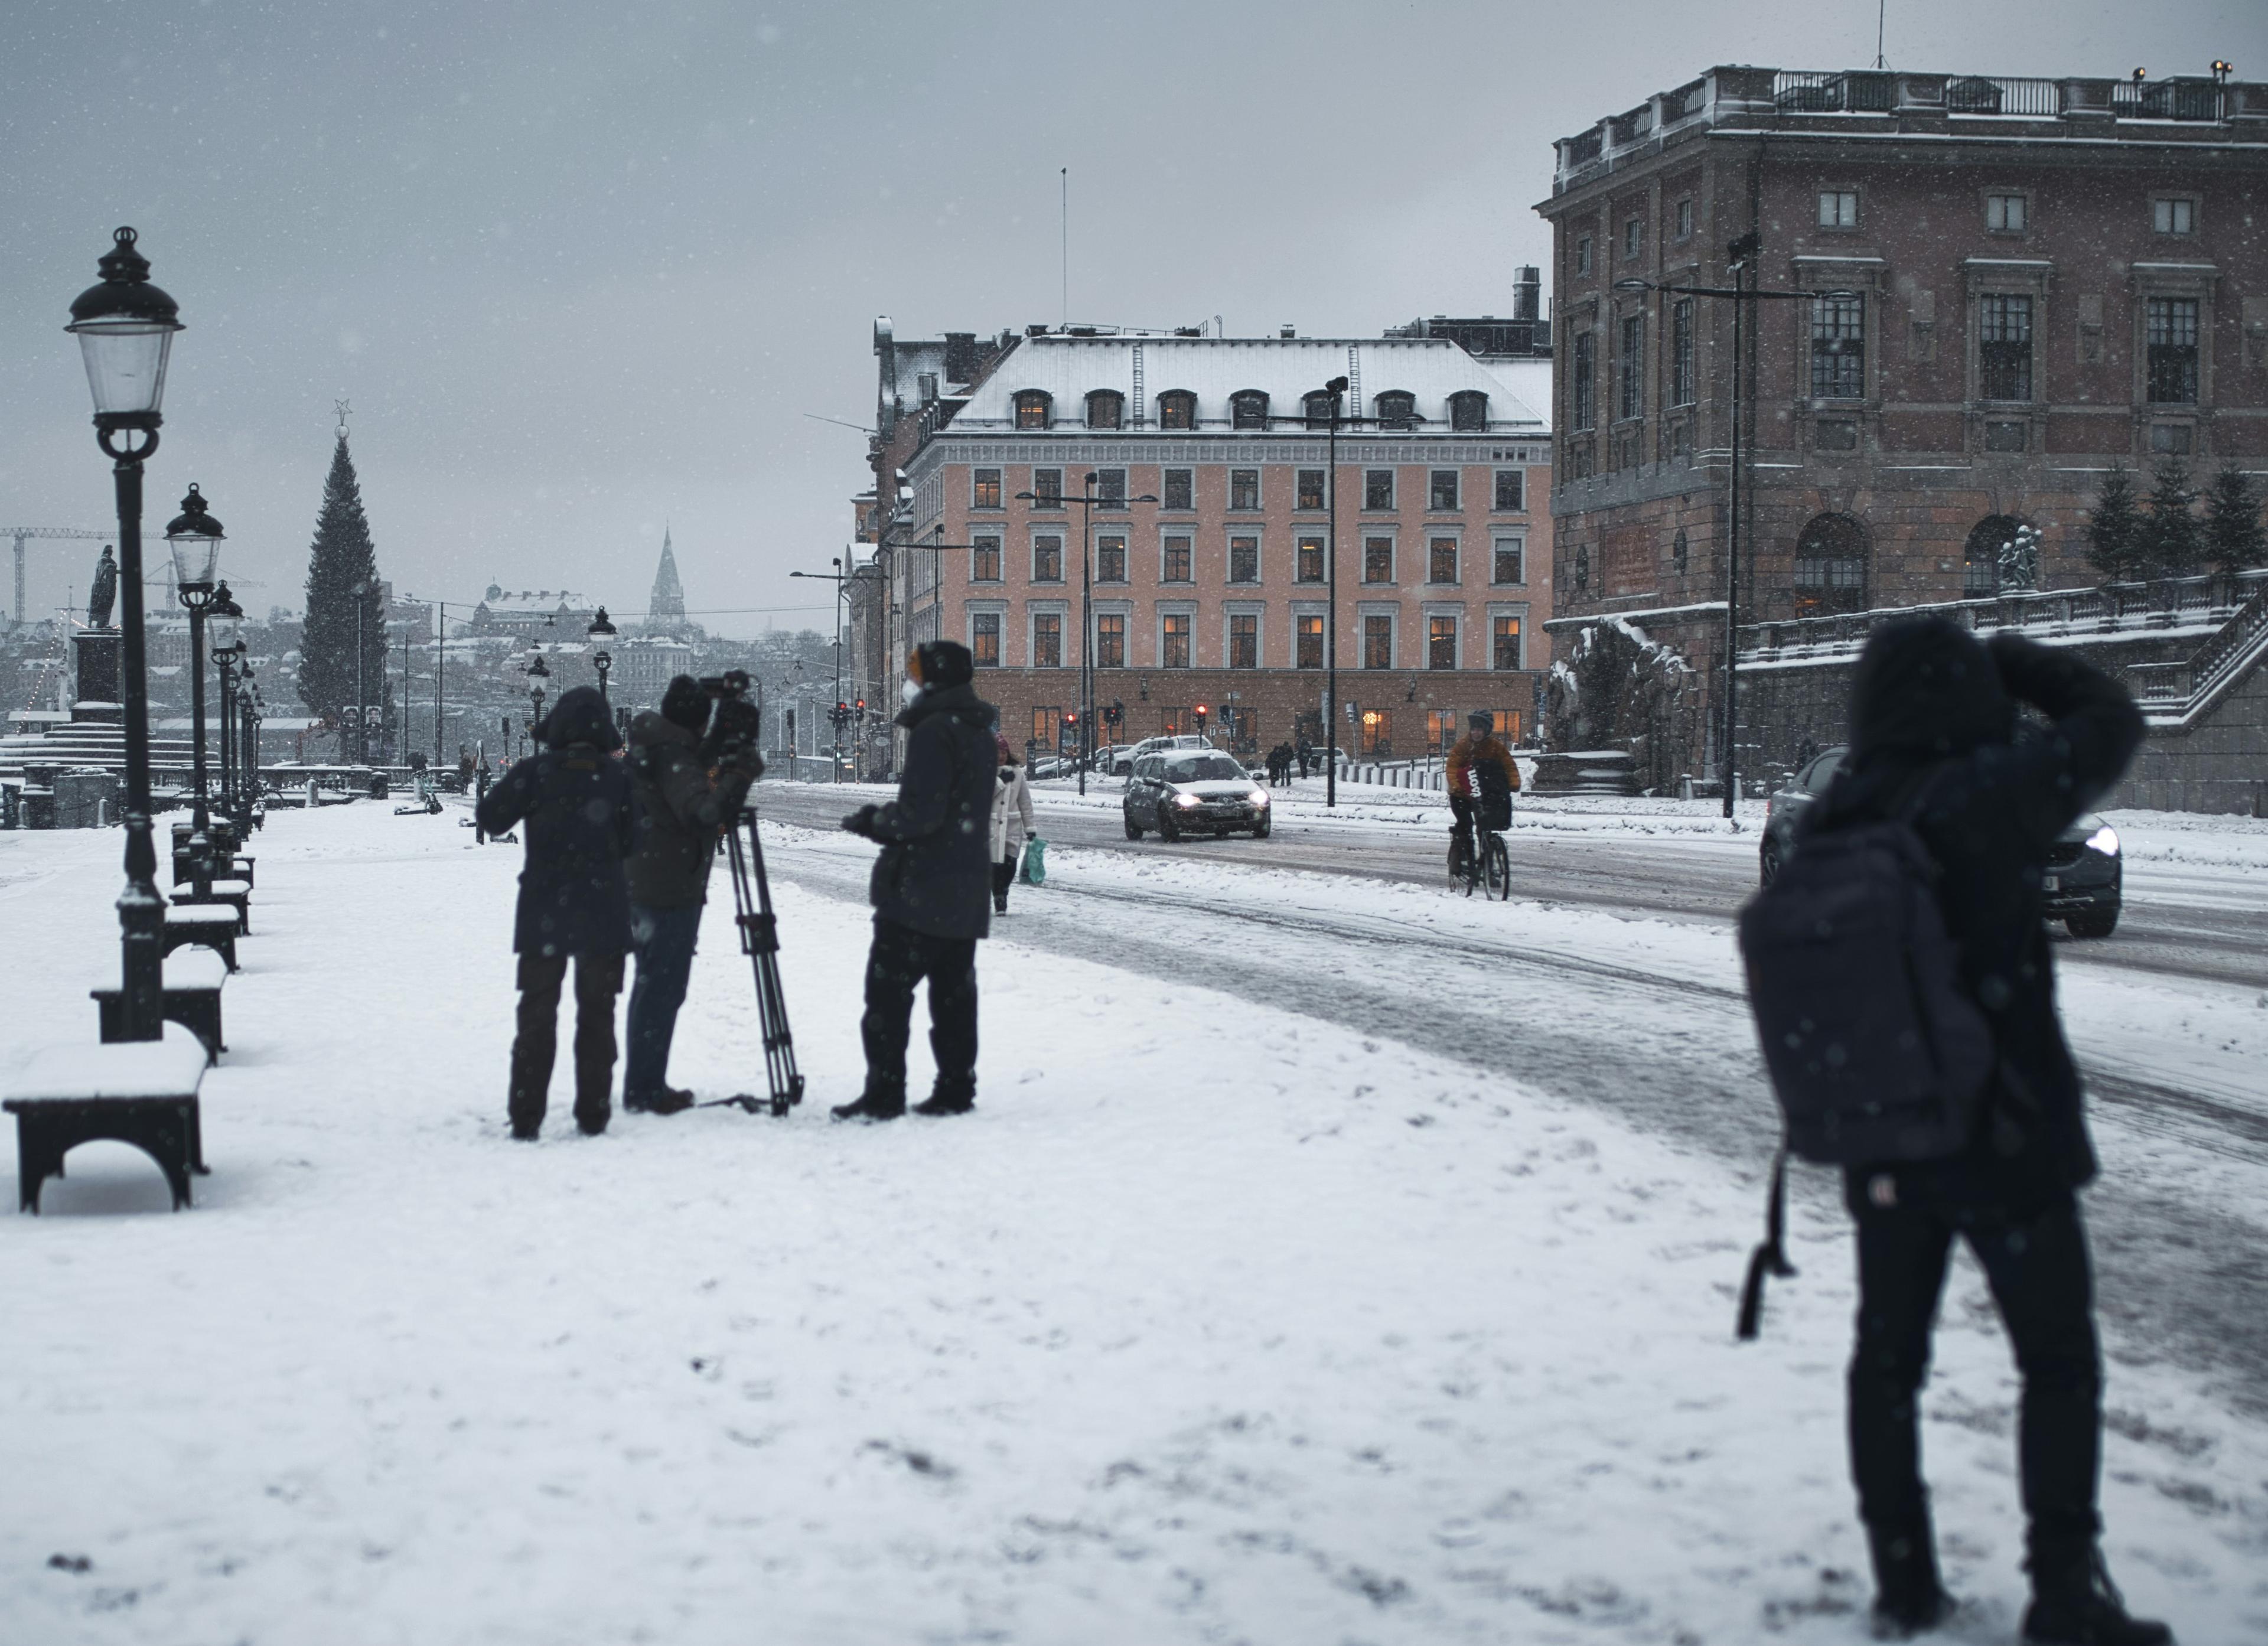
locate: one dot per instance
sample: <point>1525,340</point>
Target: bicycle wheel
<point>1499,867</point>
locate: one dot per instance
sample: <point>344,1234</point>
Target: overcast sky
<point>582,268</point>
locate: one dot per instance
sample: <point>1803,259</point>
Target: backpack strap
<point>1769,1258</point>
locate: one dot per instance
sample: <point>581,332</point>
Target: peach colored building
<point>1218,593</point>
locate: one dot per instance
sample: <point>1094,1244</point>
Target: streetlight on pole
<point>601,632</point>
<point>538,671</point>
<point>834,716</point>
<point>195,539</point>
<point>225,619</point>
<point>1087,500</point>
<point>1336,389</point>
<point>125,328</point>
<point>361,593</point>
<point>1741,254</point>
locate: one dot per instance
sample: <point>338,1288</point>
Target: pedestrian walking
<point>1011,821</point>
<point>682,807</point>
<point>574,904</point>
<point>1306,752</point>
<point>1934,742</point>
<point>929,887</point>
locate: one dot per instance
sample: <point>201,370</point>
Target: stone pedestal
<point>98,695</point>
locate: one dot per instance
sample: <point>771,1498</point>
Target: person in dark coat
<point>931,887</point>
<point>574,903</point>
<point>681,809</point>
<point>1934,735</point>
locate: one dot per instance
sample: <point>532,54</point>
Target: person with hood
<point>929,887</point>
<point>1934,739</point>
<point>682,809</point>
<point>1011,821</point>
<point>574,904</point>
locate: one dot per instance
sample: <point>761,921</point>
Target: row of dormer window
<point>1248,408</point>
<point>1444,490</point>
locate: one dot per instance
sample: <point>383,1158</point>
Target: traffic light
<point>1115,714</point>
<point>1201,712</point>
<point>862,705</point>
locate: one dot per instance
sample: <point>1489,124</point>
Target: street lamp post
<point>361,591</point>
<point>1741,256</point>
<point>125,326</point>
<point>194,537</point>
<point>249,708</point>
<point>538,671</point>
<point>223,619</point>
<point>838,577</point>
<point>601,632</point>
<point>1087,500</point>
<point>1336,389</point>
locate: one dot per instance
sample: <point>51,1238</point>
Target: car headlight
<point>1258,799</point>
<point>1187,800</point>
<point>2104,839</point>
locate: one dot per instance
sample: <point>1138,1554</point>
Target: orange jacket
<point>1479,749</point>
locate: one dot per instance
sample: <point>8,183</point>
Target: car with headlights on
<point>2084,882</point>
<point>1193,791</point>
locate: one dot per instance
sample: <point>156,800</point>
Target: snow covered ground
<point>1215,1322</point>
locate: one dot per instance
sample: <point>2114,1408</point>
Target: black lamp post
<point>1089,500</point>
<point>1336,389</point>
<point>538,671</point>
<point>834,715</point>
<point>224,619</point>
<point>194,537</point>
<point>1743,254</point>
<point>125,328</point>
<point>601,632</point>
<point>248,712</point>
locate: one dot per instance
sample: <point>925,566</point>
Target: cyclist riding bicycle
<point>1482,779</point>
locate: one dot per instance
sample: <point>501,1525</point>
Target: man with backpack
<point>1905,995</point>
<point>1481,778</point>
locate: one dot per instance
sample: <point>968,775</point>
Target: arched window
<point>1106,408</point>
<point>1034,409</point>
<point>1317,403</point>
<point>1398,409</point>
<point>1469,411</point>
<point>1980,559</point>
<point>1177,408</point>
<point>1582,571</point>
<point>1247,410</point>
<point>1831,566</point>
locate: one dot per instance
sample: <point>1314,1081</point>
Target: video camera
<point>736,724</point>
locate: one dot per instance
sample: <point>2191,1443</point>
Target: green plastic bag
<point>1035,862</point>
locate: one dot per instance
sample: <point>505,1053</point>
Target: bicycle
<point>1490,869</point>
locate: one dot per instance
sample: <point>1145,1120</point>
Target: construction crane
<point>22,533</point>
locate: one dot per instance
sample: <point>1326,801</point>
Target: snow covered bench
<point>192,999</point>
<point>142,1093</point>
<point>212,924</point>
<point>237,894</point>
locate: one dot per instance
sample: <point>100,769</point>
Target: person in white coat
<point>1011,823</point>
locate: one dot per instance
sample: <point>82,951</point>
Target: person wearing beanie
<point>574,905</point>
<point>682,807</point>
<point>930,886</point>
<point>1935,739</point>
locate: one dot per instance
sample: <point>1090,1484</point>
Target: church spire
<point>665,607</point>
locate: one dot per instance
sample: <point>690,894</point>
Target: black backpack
<point>1495,794</point>
<point>1876,1051</point>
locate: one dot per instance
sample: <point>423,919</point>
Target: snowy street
<point>1328,1259</point>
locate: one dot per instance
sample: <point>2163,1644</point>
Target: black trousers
<point>1004,875</point>
<point>2036,1265</point>
<point>900,959</point>
<point>598,980</point>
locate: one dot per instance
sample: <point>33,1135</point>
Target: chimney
<point>1527,292</point>
<point>959,356</point>
<point>1287,330</point>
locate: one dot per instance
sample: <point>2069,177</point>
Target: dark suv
<point>2085,877</point>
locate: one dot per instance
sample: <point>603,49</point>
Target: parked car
<point>1122,764</point>
<point>2086,875</point>
<point>1193,791</point>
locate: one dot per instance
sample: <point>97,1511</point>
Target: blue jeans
<point>663,939</point>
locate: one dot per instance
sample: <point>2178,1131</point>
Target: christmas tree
<point>342,581</point>
<point>2172,539</point>
<point>2234,539</point>
<point>2114,530</point>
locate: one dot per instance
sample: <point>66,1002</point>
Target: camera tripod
<point>752,911</point>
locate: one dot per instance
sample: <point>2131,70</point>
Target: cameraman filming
<point>688,788</point>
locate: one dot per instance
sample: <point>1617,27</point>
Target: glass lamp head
<point>224,624</point>
<point>125,328</point>
<point>194,537</point>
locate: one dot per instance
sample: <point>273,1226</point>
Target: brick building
<point>2036,281</point>
<point>1216,594</point>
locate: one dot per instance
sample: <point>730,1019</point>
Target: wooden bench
<point>237,894</point>
<point>211,924</point>
<point>192,999</point>
<point>142,1092</point>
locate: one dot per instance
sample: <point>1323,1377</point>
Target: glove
<point>861,821</point>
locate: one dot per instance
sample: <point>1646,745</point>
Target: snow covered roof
<point>1432,369</point>
<point>540,603</point>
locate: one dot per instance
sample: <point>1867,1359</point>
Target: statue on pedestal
<point>99,597</point>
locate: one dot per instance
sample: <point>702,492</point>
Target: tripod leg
<point>760,937</point>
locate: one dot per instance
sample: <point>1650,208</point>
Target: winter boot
<point>946,1103</point>
<point>999,902</point>
<point>2075,1604</point>
<point>883,1100</point>
<point>668,1100</point>
<point>1909,1599</point>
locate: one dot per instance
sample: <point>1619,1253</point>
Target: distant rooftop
<point>1825,102</point>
